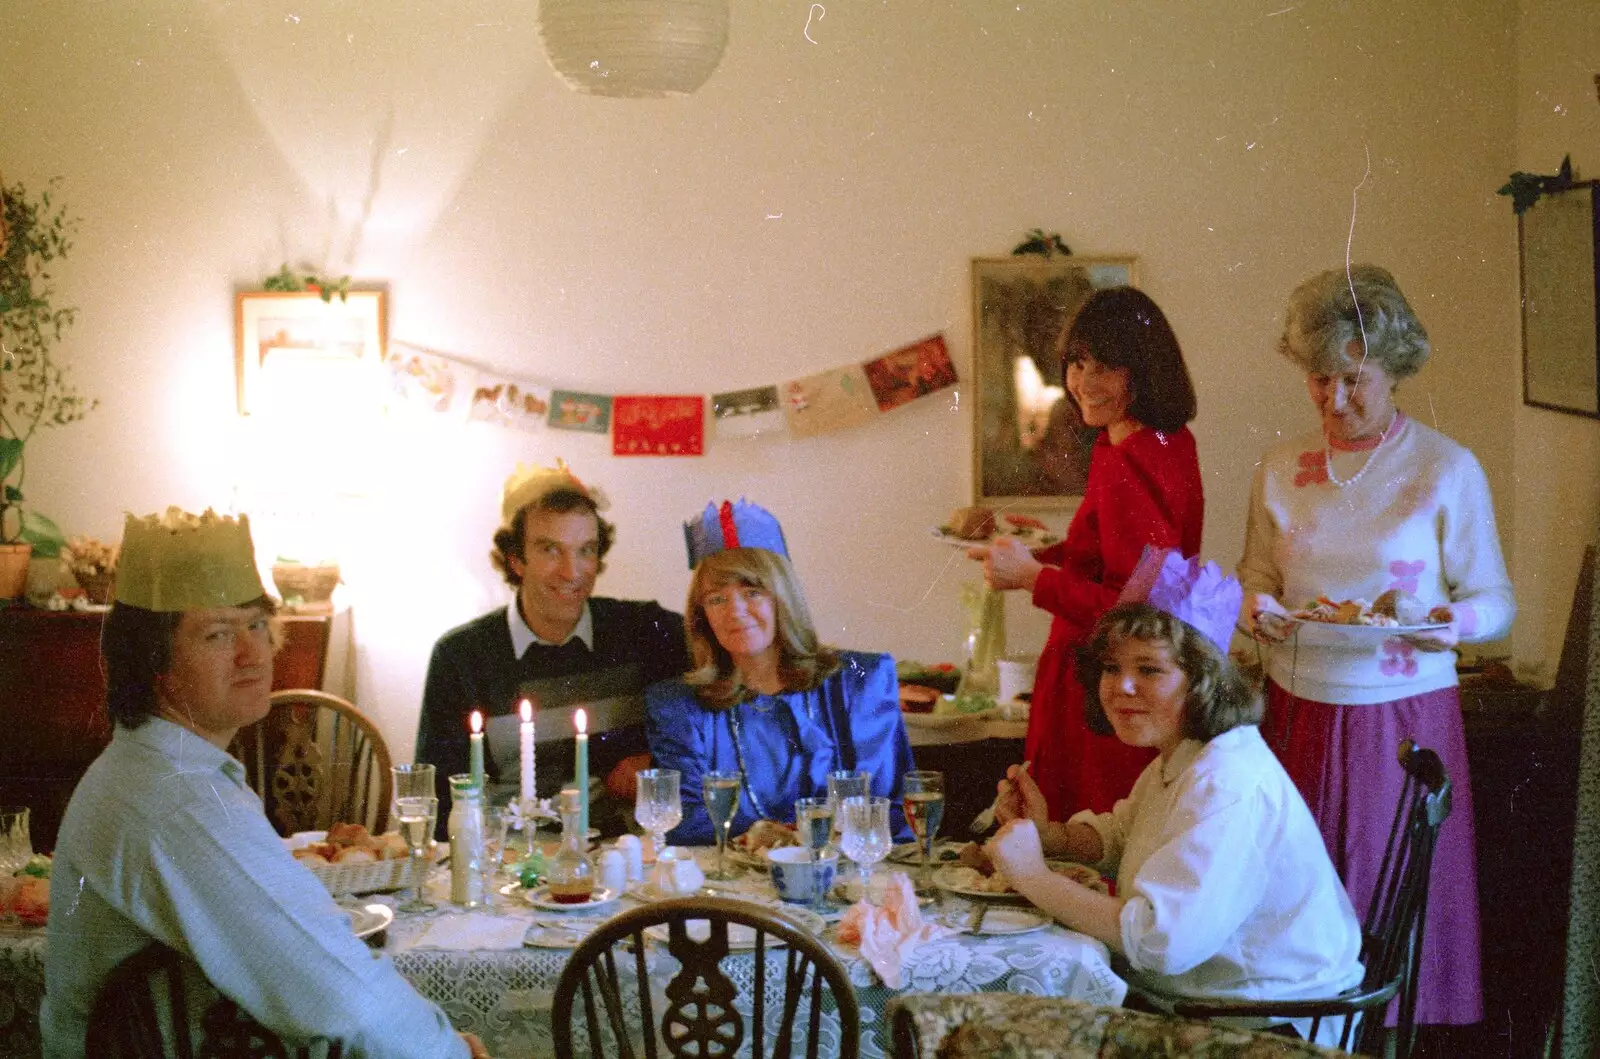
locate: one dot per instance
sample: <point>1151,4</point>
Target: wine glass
<point>720,791</point>
<point>411,781</point>
<point>922,797</point>
<point>496,822</point>
<point>846,783</point>
<point>417,815</point>
<point>864,832</point>
<point>657,805</point>
<point>813,819</point>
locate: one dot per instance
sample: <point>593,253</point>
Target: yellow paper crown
<point>529,485</point>
<point>179,561</point>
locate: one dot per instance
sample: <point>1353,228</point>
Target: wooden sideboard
<point>52,702</point>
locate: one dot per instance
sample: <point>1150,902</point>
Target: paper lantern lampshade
<point>634,48</point>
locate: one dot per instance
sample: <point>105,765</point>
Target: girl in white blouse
<point>1224,887</point>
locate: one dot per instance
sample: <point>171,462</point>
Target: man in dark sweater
<point>557,644</point>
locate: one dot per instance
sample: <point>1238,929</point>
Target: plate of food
<point>750,848</point>
<point>945,851</point>
<point>965,881</point>
<point>743,937</point>
<point>540,897</point>
<point>972,527</point>
<point>997,922</point>
<point>1325,621</point>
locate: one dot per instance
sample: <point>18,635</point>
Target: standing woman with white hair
<point>1375,502</point>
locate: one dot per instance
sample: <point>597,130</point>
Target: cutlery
<point>985,820</point>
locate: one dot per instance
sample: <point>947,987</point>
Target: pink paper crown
<point>1198,594</point>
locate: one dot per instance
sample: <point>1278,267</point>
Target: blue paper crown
<point>741,525</point>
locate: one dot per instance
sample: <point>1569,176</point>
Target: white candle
<point>580,721</point>
<point>529,792</point>
<point>475,748</point>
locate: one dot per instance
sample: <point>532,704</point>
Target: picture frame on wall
<point>1030,448</point>
<point>292,349</point>
<point>1558,242</point>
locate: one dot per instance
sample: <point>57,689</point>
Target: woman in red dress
<point>1126,375</point>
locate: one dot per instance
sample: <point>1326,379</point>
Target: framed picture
<point>1030,448</point>
<point>1558,239</point>
<point>295,348</point>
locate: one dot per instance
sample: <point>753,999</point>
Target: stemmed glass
<point>813,819</point>
<point>496,821</point>
<point>720,791</point>
<point>411,781</point>
<point>922,796</point>
<point>16,847</point>
<point>864,832</point>
<point>417,815</point>
<point>846,783</point>
<point>657,805</point>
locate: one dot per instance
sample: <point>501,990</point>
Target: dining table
<point>493,969</point>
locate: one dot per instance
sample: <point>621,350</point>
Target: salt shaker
<point>614,871</point>
<point>632,851</point>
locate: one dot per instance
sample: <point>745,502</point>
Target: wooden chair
<point>316,761</point>
<point>699,1018</point>
<point>984,1025</point>
<point>1392,933</point>
<point>146,1010</point>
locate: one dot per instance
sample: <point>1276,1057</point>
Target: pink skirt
<point>1342,758</point>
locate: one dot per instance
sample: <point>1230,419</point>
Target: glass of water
<point>658,806</point>
<point>416,816</point>
<point>846,783</point>
<point>864,832</point>
<point>922,796</point>
<point>720,790</point>
<point>813,820</point>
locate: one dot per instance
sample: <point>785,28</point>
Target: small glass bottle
<point>570,875</point>
<point>466,841</point>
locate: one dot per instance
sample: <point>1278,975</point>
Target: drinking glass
<point>864,832</point>
<point>922,796</point>
<point>496,820</point>
<point>412,781</point>
<point>657,806</point>
<point>16,848</point>
<point>417,815</point>
<point>720,791</point>
<point>813,819</point>
<point>846,783</point>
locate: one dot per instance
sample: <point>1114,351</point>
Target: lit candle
<point>580,721</point>
<point>475,746</point>
<point>528,788</point>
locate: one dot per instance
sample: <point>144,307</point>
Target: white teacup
<point>797,877</point>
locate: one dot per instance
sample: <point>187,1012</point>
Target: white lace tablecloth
<point>504,996</point>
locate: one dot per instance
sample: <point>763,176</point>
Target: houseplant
<point>35,390</point>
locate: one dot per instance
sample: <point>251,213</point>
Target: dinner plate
<point>998,922</point>
<point>1030,538</point>
<point>938,721</point>
<point>959,880</point>
<point>945,851</point>
<point>367,920</point>
<point>1334,634</point>
<point>743,937</point>
<point>540,898</point>
<point>551,936</point>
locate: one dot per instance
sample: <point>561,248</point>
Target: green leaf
<point>13,495</point>
<point>45,536</point>
<point>10,456</point>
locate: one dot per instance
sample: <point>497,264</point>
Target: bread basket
<point>368,876</point>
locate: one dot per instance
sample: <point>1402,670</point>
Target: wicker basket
<point>309,584</point>
<point>367,876</point>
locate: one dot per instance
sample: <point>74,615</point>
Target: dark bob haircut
<point>1121,327</point>
<point>510,542</point>
<point>136,650</point>
<point>1220,698</point>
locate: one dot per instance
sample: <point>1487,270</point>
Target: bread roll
<point>354,854</point>
<point>309,857</point>
<point>972,523</point>
<point>348,835</point>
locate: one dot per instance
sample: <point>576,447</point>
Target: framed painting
<point>1030,448</point>
<point>293,348</point>
<point>1558,240</point>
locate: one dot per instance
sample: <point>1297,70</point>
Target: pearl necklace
<point>1327,455</point>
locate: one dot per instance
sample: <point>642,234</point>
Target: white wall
<point>1557,470</point>
<point>813,204</point>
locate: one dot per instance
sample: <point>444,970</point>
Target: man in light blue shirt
<point>164,840</point>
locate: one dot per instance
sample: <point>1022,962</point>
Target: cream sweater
<point>1419,518</point>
